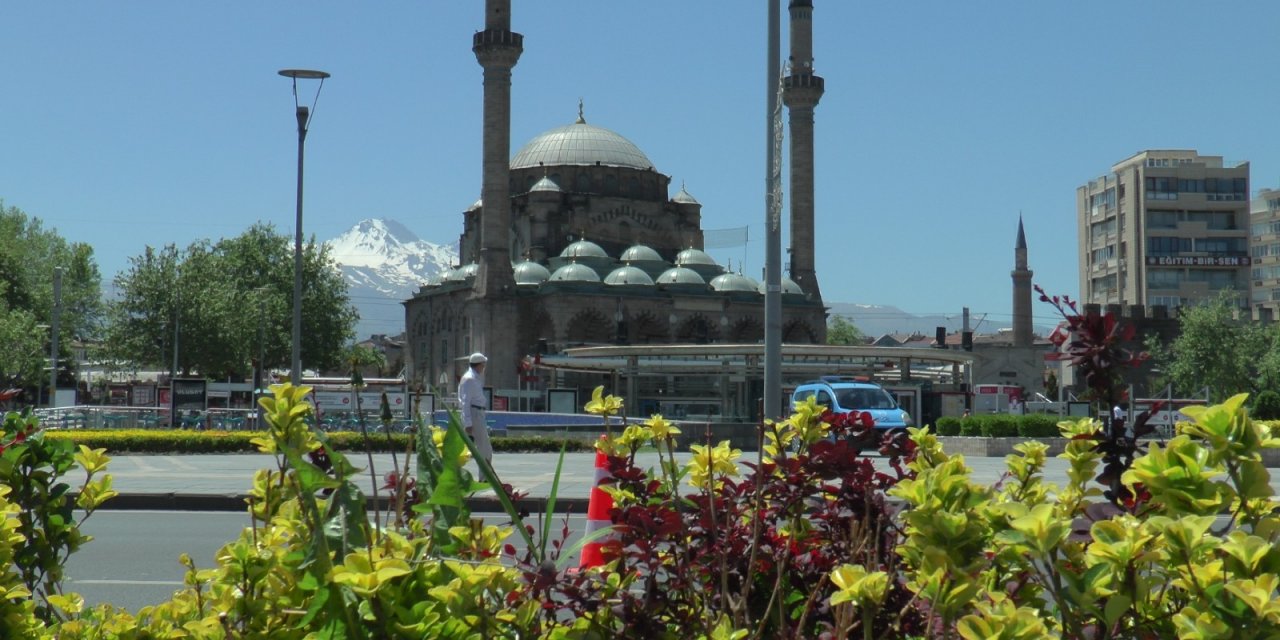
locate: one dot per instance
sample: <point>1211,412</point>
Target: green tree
<point>22,343</point>
<point>841,331</point>
<point>29,254</point>
<point>230,301</point>
<point>368,360</point>
<point>1214,349</point>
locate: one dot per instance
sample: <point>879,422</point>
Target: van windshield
<point>866,399</point>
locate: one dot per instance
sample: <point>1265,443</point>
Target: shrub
<point>802,545</point>
<point>948,426</point>
<point>971,426</point>
<point>999,425</point>
<point>1038,425</point>
<point>1267,406</point>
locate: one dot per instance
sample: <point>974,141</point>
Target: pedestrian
<point>965,414</point>
<point>472,401</point>
<point>1118,412</point>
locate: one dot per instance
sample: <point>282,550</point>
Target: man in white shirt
<point>473,404</point>
<point>1118,412</point>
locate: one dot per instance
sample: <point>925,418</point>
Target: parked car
<point>844,394</point>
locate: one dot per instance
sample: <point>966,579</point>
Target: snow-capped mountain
<point>384,263</point>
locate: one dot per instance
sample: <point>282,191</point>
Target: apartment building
<point>1165,227</point>
<point>1264,252</point>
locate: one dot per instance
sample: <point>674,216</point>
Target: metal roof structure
<point>798,360</point>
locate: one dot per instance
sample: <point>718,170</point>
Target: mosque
<point>576,241</point>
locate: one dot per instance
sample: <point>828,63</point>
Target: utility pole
<point>262,365</point>
<point>773,225</point>
<point>53,349</point>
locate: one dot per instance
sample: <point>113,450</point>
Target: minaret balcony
<point>500,37</point>
<point>497,47</point>
<point>802,90</point>
<point>803,81</point>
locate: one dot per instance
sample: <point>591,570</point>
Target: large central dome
<point>580,144</point>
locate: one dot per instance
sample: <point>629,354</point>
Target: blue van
<point>844,394</point>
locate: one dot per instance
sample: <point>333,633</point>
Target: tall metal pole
<point>304,119</point>
<point>262,353</point>
<point>295,372</point>
<point>773,227</point>
<point>53,349</point>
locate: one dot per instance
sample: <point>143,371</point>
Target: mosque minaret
<point>801,91</point>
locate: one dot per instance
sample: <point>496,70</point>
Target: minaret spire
<point>1021,290</point>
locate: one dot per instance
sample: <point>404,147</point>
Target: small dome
<point>575,272</point>
<point>455,275</point>
<point>529,272</point>
<point>695,257</point>
<point>789,287</point>
<point>680,275</point>
<point>628,275</point>
<point>583,249</point>
<point>640,253</point>
<point>684,197</point>
<point>546,184</point>
<point>477,205</point>
<point>734,282</point>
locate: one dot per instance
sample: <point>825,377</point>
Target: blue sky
<point>134,123</point>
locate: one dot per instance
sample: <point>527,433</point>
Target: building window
<point>1104,200</point>
<point>1167,246</point>
<point>1098,232</point>
<point>1164,278</point>
<point>1215,278</point>
<point>1166,301</point>
<point>1161,219</point>
<point>1234,246</point>
<point>1162,188</point>
<point>1218,220</point>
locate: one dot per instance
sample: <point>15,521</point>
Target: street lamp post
<point>304,119</point>
<point>53,337</point>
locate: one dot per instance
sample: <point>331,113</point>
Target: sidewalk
<point>221,482</point>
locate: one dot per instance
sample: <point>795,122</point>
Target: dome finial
<point>580,120</point>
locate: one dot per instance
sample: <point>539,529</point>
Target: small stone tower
<point>801,91</point>
<point>1021,291</point>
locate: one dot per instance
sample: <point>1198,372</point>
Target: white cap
<point>478,358</point>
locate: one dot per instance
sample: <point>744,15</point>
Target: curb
<point>237,502</point>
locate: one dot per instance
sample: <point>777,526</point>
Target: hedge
<point>1000,425</point>
<point>948,426</point>
<point>185,441</point>
<point>1038,425</point>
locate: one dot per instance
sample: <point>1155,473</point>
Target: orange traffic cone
<point>598,509</point>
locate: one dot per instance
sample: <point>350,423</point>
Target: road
<point>133,560</point>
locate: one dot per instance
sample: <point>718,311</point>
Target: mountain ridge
<point>384,263</point>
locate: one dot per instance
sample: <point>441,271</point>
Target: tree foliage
<point>843,332</point>
<point>29,254</point>
<point>227,302</point>
<point>1214,349</point>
